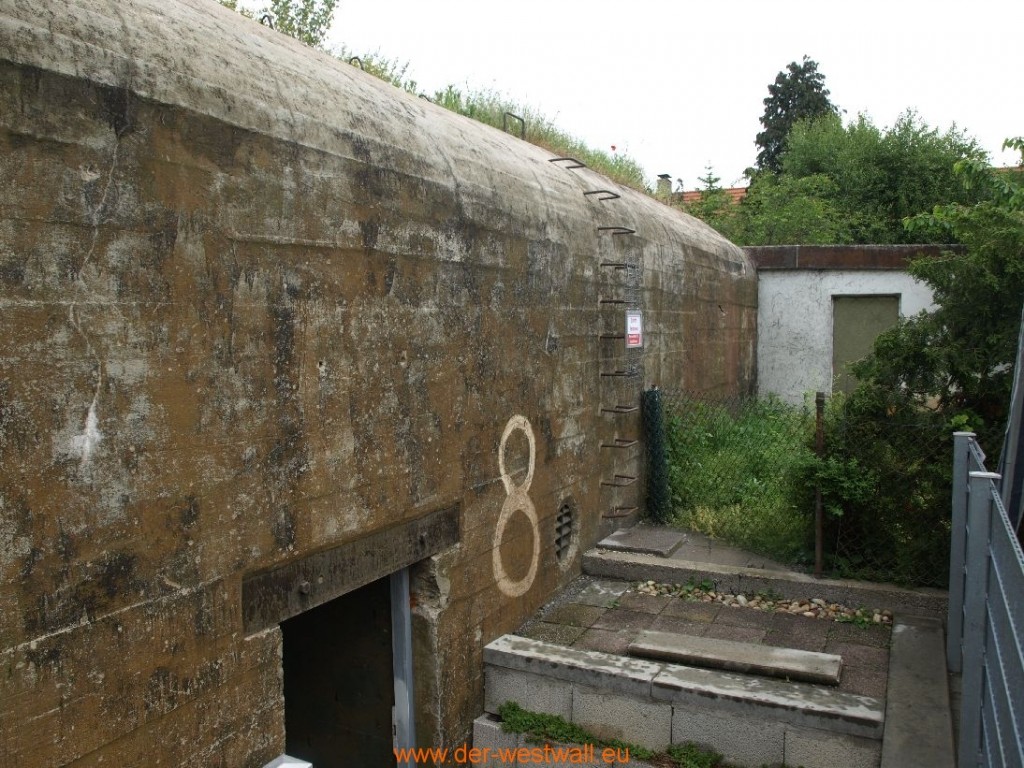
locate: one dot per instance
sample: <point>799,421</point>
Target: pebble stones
<point>814,607</point>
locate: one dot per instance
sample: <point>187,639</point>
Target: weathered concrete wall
<point>257,305</point>
<point>796,285</point>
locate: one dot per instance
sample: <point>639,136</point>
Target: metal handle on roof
<point>575,163</point>
<point>608,194</point>
<point>522,124</point>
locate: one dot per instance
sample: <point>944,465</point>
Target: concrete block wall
<point>751,721</point>
<point>258,305</point>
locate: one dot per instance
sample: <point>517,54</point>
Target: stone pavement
<point>604,615</point>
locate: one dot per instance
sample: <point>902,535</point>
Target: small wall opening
<point>566,531</point>
<point>338,681</point>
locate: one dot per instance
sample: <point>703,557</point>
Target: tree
<point>887,475</point>
<point>784,210</point>
<point>853,184</point>
<point>958,360</point>
<point>305,20</point>
<point>882,176</point>
<point>798,93</point>
<point>714,206</point>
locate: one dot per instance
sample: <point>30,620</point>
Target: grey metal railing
<point>985,641</point>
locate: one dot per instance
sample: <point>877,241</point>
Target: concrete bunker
<point>274,331</point>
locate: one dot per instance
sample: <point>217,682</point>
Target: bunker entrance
<point>340,678</point>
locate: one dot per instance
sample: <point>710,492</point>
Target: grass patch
<point>735,472</point>
<point>490,107</point>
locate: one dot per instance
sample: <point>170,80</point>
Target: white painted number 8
<point>516,501</point>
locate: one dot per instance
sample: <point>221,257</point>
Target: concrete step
<point>751,720</point>
<point>633,566</point>
<point>918,724</point>
<point>735,656</point>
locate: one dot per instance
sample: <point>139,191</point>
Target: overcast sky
<point>679,85</point>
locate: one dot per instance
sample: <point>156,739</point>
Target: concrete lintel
<point>749,658</point>
<point>602,670</point>
<point>812,706</point>
<point>638,567</point>
<point>270,597</point>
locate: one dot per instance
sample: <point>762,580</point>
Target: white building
<point>821,308</point>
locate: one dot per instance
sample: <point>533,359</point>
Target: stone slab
<point>749,658</point>
<point>919,726</point>
<point>804,704</point>
<point>644,539</point>
<point>619,674</point>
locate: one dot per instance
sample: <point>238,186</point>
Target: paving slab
<point>800,632</point>
<point>601,593</point>
<point>735,656</point>
<point>918,724</point>
<point>692,611</point>
<point>605,640</point>
<point>619,619</point>
<point>644,539</point>
<point>574,614</point>
<point>637,601</point>
<point>562,634</point>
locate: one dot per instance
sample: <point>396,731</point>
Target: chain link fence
<point>748,471</point>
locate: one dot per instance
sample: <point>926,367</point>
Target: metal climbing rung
<point>620,481</point>
<point>615,264</point>
<point>620,512</point>
<point>522,124</point>
<point>611,336</point>
<point>620,409</point>
<point>618,373</point>
<point>612,301</point>
<point>575,163</point>
<point>617,230</point>
<point>620,442</point>
<point>608,194</point>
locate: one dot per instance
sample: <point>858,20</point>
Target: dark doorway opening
<point>338,681</point>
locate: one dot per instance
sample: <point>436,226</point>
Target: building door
<point>856,323</point>
<point>339,680</point>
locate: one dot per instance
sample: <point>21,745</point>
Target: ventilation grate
<point>564,524</point>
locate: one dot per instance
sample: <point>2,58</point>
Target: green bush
<point>886,484</point>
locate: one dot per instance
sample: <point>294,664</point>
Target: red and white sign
<point>634,330</point>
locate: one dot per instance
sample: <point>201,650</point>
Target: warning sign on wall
<point>634,330</point>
